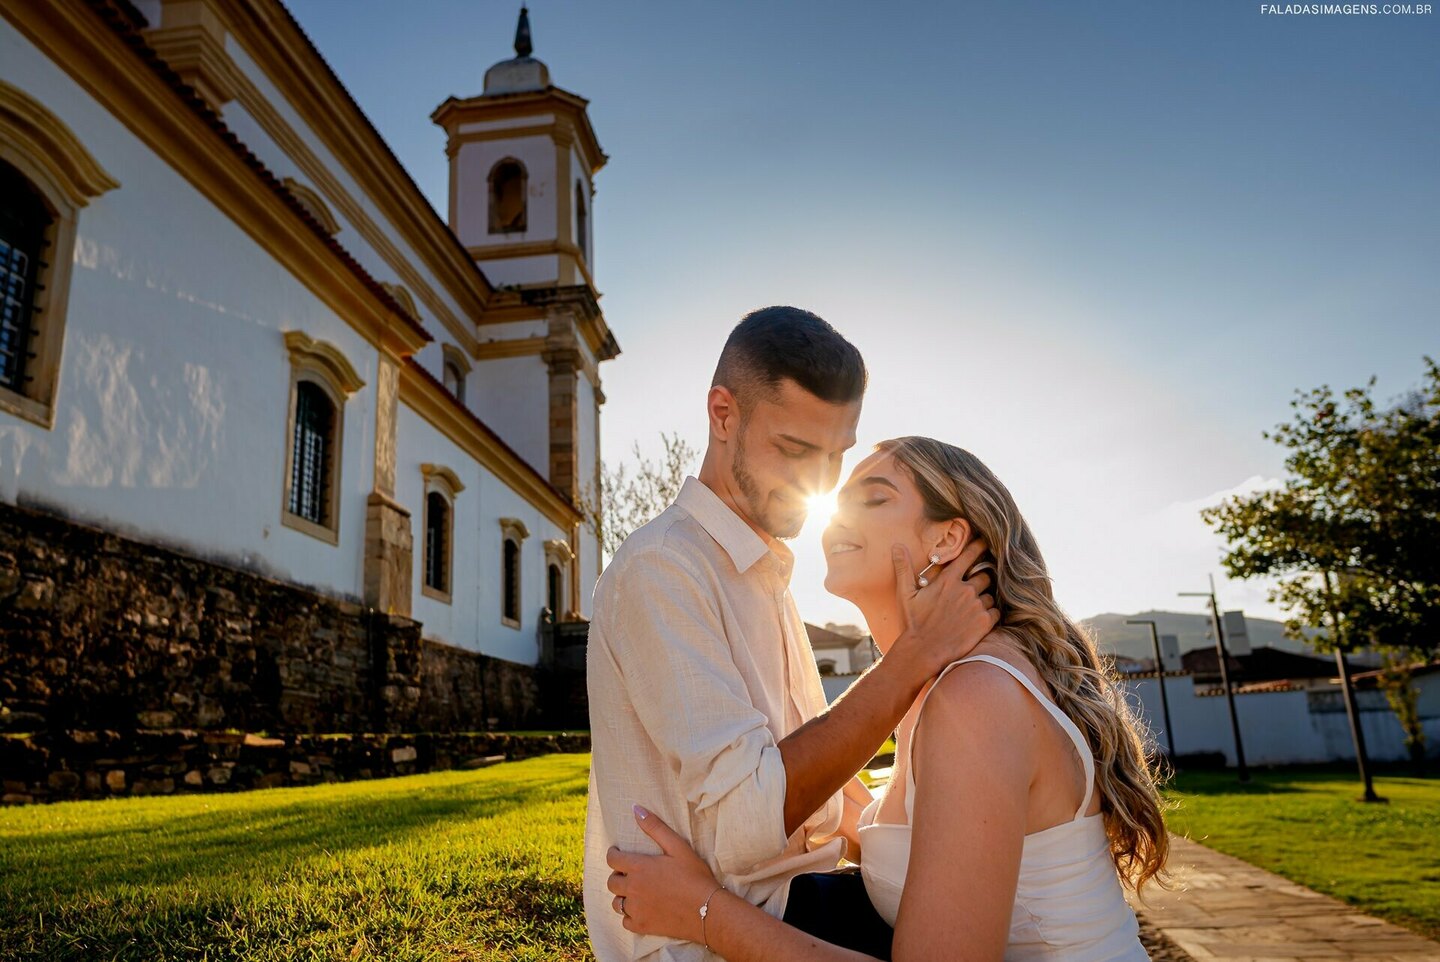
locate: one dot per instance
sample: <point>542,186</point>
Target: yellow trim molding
<point>29,128</point>
<point>438,473</point>
<point>318,209</point>
<point>306,351</point>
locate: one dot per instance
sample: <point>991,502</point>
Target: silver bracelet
<point>705,911</point>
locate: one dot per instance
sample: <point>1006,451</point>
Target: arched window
<point>558,558</point>
<point>453,370</point>
<point>320,381</point>
<point>442,486</point>
<point>312,454</point>
<point>513,533</point>
<point>24,222</point>
<point>454,381</point>
<point>46,178</point>
<point>508,187</point>
<point>826,666</point>
<point>554,588</point>
<point>437,542</point>
<point>582,221</point>
<point>511,563</point>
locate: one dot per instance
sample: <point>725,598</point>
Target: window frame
<point>560,554</point>
<point>513,531</point>
<point>439,480</point>
<point>322,364</point>
<point>452,356</point>
<point>47,154</point>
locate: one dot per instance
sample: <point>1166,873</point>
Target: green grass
<point>482,865</point>
<point>1307,826</point>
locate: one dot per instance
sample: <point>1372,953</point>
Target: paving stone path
<point>1223,908</point>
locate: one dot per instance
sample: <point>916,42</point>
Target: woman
<point>1020,771</point>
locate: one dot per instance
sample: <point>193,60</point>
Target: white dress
<point>1069,904</point>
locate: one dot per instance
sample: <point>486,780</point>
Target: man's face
<point>787,451</point>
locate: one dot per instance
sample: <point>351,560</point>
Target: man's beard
<point>755,502</point>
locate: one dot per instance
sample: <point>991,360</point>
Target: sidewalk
<point>1223,908</point>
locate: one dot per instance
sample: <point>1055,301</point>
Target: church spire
<point>523,46</point>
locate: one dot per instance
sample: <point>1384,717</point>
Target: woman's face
<point>878,507</point>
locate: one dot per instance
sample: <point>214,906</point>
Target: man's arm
<point>943,624</point>
<point>669,643</point>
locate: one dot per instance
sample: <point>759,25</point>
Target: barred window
<point>24,221</point>
<point>437,546</point>
<point>312,454</point>
<point>511,568</point>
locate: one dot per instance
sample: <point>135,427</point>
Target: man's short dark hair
<point>778,343</point>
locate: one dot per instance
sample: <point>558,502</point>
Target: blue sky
<point>1099,244</point>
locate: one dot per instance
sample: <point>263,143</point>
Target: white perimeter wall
<point>1276,728</point>
<point>174,384</point>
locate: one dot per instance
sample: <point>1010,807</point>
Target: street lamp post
<point>1347,691</point>
<point>1224,657</point>
<point>1160,677</point>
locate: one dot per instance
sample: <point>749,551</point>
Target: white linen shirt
<point>698,666</point>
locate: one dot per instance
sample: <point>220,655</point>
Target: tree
<point>1353,534</point>
<point>629,496</point>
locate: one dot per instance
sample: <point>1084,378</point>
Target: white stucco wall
<point>512,396</point>
<point>253,135</point>
<point>173,396</point>
<point>472,619</point>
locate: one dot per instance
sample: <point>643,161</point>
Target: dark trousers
<point>833,907</point>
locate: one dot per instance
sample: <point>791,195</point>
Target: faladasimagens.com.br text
<point>1348,9</point>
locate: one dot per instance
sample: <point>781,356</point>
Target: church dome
<point>523,72</point>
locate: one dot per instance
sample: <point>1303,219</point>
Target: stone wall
<point>60,766</point>
<point>102,633</point>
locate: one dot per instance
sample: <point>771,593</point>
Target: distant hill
<point>1133,641</point>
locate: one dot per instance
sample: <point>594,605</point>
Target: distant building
<point>1262,668</point>
<point>840,654</point>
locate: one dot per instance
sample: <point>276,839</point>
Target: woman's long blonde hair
<point>955,484</point>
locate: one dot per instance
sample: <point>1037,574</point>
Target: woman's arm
<point>972,755</point>
<point>857,796</point>
<point>663,894</point>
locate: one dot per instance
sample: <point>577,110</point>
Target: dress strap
<point>1070,728</point>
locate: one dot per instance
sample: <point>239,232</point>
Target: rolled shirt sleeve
<point>671,647</point>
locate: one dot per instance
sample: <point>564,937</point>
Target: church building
<point>234,330</point>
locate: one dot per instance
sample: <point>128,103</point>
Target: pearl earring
<point>923,581</point>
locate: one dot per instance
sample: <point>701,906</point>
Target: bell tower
<point>523,158</point>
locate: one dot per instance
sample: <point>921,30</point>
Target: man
<point>705,702</point>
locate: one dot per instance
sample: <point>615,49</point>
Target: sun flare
<point>821,507</point>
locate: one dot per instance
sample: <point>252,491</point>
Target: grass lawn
<point>1307,826</point>
<point>482,865</point>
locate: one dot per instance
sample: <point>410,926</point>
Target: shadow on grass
<point>256,835</point>
<point>1290,779</point>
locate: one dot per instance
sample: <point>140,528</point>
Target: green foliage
<point>1354,532</point>
<point>1305,825</point>
<point>480,866</point>
<point>629,496</point>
